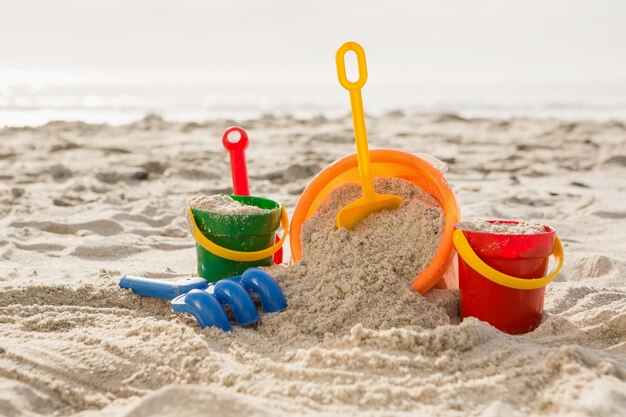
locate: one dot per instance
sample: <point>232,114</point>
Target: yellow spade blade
<point>356,211</point>
<point>371,201</point>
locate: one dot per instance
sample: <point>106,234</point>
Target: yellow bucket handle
<point>469,256</point>
<point>234,255</point>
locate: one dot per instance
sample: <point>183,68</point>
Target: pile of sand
<point>364,275</point>
<point>222,204</point>
<point>520,228</point>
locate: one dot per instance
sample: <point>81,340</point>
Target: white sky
<point>208,41</point>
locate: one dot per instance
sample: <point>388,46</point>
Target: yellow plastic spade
<point>371,201</point>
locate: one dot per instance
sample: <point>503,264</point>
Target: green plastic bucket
<point>240,232</point>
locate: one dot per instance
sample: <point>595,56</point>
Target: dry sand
<point>484,226</point>
<point>81,205</point>
<point>363,276</point>
<point>222,204</point>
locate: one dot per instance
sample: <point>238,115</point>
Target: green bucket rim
<point>233,224</point>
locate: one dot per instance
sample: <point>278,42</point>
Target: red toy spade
<point>239,169</point>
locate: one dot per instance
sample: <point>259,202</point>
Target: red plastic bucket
<point>502,277</point>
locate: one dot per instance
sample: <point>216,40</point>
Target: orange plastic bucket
<point>385,163</point>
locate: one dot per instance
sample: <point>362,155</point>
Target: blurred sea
<point>33,105</point>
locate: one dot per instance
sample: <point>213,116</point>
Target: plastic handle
<point>469,256</point>
<point>234,255</point>
<point>238,167</point>
<point>361,64</point>
<point>358,116</point>
<point>161,288</point>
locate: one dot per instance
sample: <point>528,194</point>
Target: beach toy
<point>204,301</point>
<point>386,163</point>
<point>161,288</point>
<point>227,245</point>
<point>264,285</point>
<point>254,280</point>
<point>502,277</point>
<point>370,201</point>
<point>239,169</point>
<point>205,308</point>
<point>234,295</point>
<point>236,150</point>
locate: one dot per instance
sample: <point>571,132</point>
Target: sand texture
<point>363,276</point>
<point>222,204</point>
<point>81,205</point>
<point>483,226</point>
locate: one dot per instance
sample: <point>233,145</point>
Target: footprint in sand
<point>291,174</point>
<point>161,221</point>
<point>610,214</point>
<point>99,227</point>
<point>593,266</point>
<point>72,346</point>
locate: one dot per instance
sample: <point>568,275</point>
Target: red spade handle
<point>238,167</point>
<point>239,170</point>
<point>278,256</point>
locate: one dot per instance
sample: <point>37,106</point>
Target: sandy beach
<point>82,205</point>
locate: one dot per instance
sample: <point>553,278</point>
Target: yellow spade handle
<point>234,255</point>
<point>358,116</point>
<point>469,256</point>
